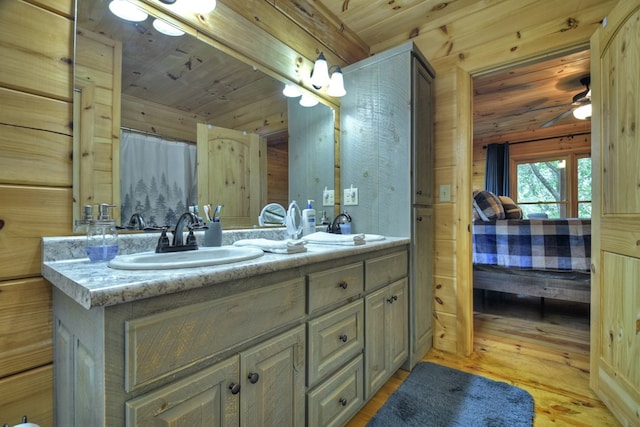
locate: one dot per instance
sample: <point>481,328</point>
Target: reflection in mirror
<point>131,78</point>
<point>272,215</point>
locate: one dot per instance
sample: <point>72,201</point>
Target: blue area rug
<point>434,395</point>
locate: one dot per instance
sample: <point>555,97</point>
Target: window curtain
<point>158,178</point>
<point>496,178</point>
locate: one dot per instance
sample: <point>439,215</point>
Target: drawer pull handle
<point>253,377</point>
<point>343,284</point>
<point>1,223</point>
<point>343,401</point>
<point>343,338</point>
<point>392,299</point>
<point>419,192</point>
<point>235,388</point>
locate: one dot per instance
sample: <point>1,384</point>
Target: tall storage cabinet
<point>387,154</point>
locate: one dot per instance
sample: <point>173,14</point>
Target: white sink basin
<point>203,257</point>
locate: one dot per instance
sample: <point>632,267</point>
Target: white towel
<point>323,238</point>
<point>275,246</point>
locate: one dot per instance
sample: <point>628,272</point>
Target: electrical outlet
<point>328,198</point>
<point>445,193</point>
<point>350,196</point>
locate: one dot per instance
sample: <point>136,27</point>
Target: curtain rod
<point>484,147</point>
<point>157,135</point>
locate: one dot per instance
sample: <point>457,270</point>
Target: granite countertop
<point>96,284</point>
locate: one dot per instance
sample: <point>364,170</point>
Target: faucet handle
<point>163,241</point>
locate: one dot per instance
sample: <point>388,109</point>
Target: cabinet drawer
<point>334,339</point>
<point>336,400</point>
<point>335,285</point>
<point>385,269</point>
<point>162,344</point>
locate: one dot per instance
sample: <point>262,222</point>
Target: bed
<point>548,258</point>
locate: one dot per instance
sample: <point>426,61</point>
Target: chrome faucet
<point>342,218</point>
<point>136,222</point>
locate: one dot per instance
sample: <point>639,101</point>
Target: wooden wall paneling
<point>444,290</point>
<point>444,331</point>
<point>29,393</point>
<point>35,112</point>
<point>45,160</point>
<point>278,169</point>
<point>443,177</point>
<point>65,8</point>
<point>25,325</point>
<point>30,213</point>
<point>150,117</point>
<point>35,50</point>
<point>444,225</point>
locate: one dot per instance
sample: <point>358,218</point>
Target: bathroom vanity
<point>296,339</point>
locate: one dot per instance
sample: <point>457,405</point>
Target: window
<point>557,186</point>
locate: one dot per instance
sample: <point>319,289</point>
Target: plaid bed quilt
<point>544,244</point>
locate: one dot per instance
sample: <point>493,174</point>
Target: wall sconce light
<point>290,91</point>
<point>320,77</point>
<point>127,11</point>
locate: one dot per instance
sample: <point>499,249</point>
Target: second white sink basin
<point>203,257</point>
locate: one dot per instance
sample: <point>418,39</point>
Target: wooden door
<point>273,381</point>
<point>397,318</point>
<point>232,172</point>
<point>377,342</point>
<point>422,299</point>
<point>615,301</point>
<point>422,141</point>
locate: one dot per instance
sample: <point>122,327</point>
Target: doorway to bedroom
<point>528,111</point>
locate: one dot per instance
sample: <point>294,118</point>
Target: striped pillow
<point>511,210</point>
<point>487,205</point>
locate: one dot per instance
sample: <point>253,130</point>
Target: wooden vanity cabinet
<point>301,346</point>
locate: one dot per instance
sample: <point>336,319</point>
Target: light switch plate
<point>328,198</point>
<point>350,196</point>
<point>445,193</point>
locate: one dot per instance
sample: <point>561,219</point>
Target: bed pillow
<point>487,205</point>
<point>511,210</point>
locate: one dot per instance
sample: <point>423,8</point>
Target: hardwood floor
<point>542,350</point>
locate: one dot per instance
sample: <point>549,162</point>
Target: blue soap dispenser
<point>102,236</point>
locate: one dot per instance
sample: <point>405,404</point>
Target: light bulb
<point>336,84</point>
<point>308,100</point>
<point>166,28</point>
<point>127,11</point>
<point>290,91</point>
<point>582,112</point>
<point>320,73</point>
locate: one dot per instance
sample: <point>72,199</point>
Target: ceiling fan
<point>579,100</point>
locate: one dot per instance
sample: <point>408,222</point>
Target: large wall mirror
<point>186,111</point>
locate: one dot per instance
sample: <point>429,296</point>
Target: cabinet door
<point>204,399</point>
<point>422,124</point>
<point>272,379</point>
<point>397,306</point>
<point>376,341</point>
<point>421,301</point>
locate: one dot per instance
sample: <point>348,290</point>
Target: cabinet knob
<point>343,284</point>
<point>1,223</point>
<point>418,218</point>
<point>235,388</point>
<point>419,192</point>
<point>343,338</point>
<point>390,300</point>
<point>343,401</point>
<point>253,377</point>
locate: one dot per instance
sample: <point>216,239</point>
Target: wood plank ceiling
<point>512,100</point>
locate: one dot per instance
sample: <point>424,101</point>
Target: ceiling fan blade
<point>555,119</point>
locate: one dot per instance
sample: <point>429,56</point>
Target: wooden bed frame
<point>569,286</point>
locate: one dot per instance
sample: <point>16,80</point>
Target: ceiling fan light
<point>308,100</point>
<point>336,84</point>
<point>127,11</point>
<point>166,28</point>
<point>320,72</point>
<point>290,91</point>
<point>582,112</point>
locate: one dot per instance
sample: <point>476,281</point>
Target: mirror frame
<point>273,57</point>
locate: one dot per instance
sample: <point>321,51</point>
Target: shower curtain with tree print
<point>158,178</point>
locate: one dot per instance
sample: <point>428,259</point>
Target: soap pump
<point>102,236</point>
<point>308,219</point>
